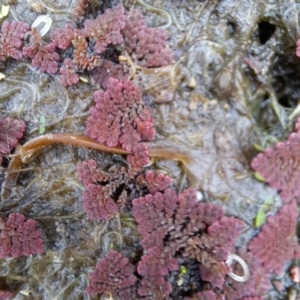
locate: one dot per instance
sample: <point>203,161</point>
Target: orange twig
<point>32,147</point>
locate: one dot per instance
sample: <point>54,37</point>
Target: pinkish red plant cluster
<point>204,295</point>
<point>277,242</point>
<point>91,41</point>
<point>79,8</point>
<point>100,75</point>
<point>257,284</point>
<point>100,200</point>
<point>106,28</point>
<point>112,274</point>
<point>156,182</point>
<point>280,166</point>
<point>252,298</point>
<point>148,48</point>
<point>62,37</point>
<point>120,116</point>
<point>4,295</point>
<point>298,46</point>
<point>179,226</point>
<point>153,266</point>
<point>43,55</point>
<point>274,245</point>
<point>68,75</point>
<point>19,237</point>
<point>11,42</point>
<point>11,130</point>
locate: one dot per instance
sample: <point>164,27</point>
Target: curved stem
<point>70,139</point>
<point>33,146</point>
<point>169,153</point>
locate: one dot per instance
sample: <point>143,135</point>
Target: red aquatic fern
<point>11,130</point>
<point>120,116</point>
<point>19,237</point>
<point>147,46</point>
<point>108,69</point>
<point>100,197</point>
<point>157,262</point>
<point>46,59</point>
<point>280,166</point>
<point>297,125</point>
<point>214,272</point>
<point>106,28</point>
<point>5,294</point>
<point>111,274</point>
<point>153,267</point>
<point>62,37</point>
<point>156,182</point>
<point>89,173</point>
<point>68,75</point>
<point>257,284</point>
<point>83,56</point>
<point>43,55</point>
<point>97,200</point>
<point>298,45</point>
<point>139,159</point>
<point>129,293</point>
<point>204,295</point>
<point>223,232</point>
<point>155,288</point>
<point>80,7</point>
<point>277,241</point>
<point>153,212</point>
<point>186,227</point>
<point>12,35</point>
<point>97,204</point>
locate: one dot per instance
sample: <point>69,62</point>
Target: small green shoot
<point>181,275</point>
<point>42,127</point>
<point>4,10</point>
<point>111,246</point>
<point>180,281</point>
<point>258,147</point>
<point>259,177</point>
<point>260,218</point>
<point>84,79</point>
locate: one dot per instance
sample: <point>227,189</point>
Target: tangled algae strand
<point>30,90</point>
<point>158,11</point>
